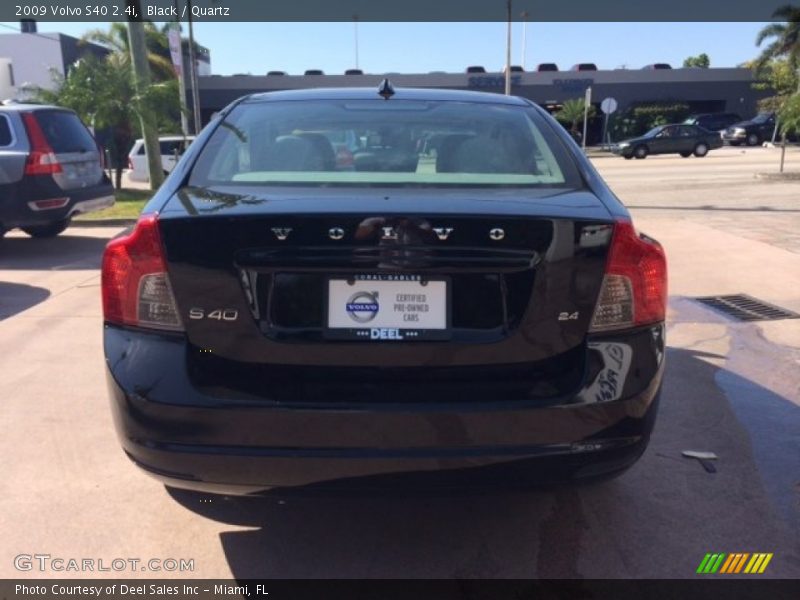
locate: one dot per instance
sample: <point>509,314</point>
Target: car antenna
<point>386,89</point>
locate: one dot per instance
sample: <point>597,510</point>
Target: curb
<point>103,222</point>
<point>601,155</point>
<point>786,176</point>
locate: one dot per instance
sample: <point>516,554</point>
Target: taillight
<point>41,159</point>
<point>634,290</point>
<point>135,284</point>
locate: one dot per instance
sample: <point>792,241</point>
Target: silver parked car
<point>50,169</point>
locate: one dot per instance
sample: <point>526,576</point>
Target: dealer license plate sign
<point>388,308</point>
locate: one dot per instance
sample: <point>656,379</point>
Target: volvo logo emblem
<point>497,234</point>
<point>388,233</point>
<point>336,233</point>
<point>443,232</point>
<point>281,232</point>
<point>362,306</point>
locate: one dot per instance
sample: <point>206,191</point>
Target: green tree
<point>784,39</point>
<point>701,60</point>
<point>101,92</point>
<point>116,40</point>
<point>788,121</point>
<point>571,113</point>
<point>778,77</point>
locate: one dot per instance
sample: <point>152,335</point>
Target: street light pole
<point>181,76</point>
<point>524,16</point>
<point>508,51</point>
<point>355,35</point>
<point>141,79</point>
<point>193,72</point>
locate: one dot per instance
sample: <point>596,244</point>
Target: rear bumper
<point>16,200</point>
<point>219,440</point>
<point>734,137</point>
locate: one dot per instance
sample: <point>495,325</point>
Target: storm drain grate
<point>746,308</point>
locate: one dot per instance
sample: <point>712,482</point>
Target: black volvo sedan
<point>368,283</point>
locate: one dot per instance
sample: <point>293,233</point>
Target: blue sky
<point>421,47</point>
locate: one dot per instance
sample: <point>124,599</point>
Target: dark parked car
<point>753,132</point>
<point>657,67</point>
<point>670,139</point>
<point>488,313</point>
<point>713,121</point>
<point>584,67</point>
<point>50,170</point>
<point>547,67</point>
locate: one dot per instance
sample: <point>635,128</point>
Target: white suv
<point>172,147</point>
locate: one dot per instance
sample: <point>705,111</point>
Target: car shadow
<point>657,520</point>
<point>17,297</point>
<point>65,252</point>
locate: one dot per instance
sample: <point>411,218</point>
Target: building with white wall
<point>29,59</point>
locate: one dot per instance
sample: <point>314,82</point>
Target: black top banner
<point>391,10</point>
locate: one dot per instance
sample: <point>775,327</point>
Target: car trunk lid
<point>250,270</point>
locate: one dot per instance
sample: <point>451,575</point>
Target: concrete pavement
<point>731,388</point>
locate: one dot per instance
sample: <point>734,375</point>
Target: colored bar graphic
<point>765,563</point>
<point>703,563</point>
<point>734,563</point>
<point>710,563</point>
<point>741,562</point>
<point>717,564</point>
<point>730,564</point>
<point>727,564</point>
<point>752,566</point>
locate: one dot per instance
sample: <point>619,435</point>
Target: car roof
<point>27,107</point>
<point>422,94</point>
<point>717,114</point>
<point>167,138</point>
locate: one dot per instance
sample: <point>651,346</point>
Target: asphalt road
<point>731,388</point>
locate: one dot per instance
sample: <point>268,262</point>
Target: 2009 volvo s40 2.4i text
<point>362,283</point>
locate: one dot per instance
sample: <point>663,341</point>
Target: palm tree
<point>571,112</point>
<point>116,40</point>
<point>785,39</point>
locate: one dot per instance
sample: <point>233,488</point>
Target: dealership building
<point>703,90</point>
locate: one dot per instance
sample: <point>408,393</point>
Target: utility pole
<point>524,16</point>
<point>198,124</point>
<point>141,77</point>
<point>355,35</point>
<point>180,72</point>
<point>508,50</point>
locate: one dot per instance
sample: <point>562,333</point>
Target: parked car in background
<point>543,67</point>
<point>670,139</point>
<point>657,67</point>
<point>489,315</point>
<point>713,121</point>
<point>584,67</point>
<point>50,169</point>
<point>753,132</point>
<point>172,148</point>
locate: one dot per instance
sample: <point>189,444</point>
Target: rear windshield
<point>5,131</point>
<point>64,131</point>
<point>377,142</point>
